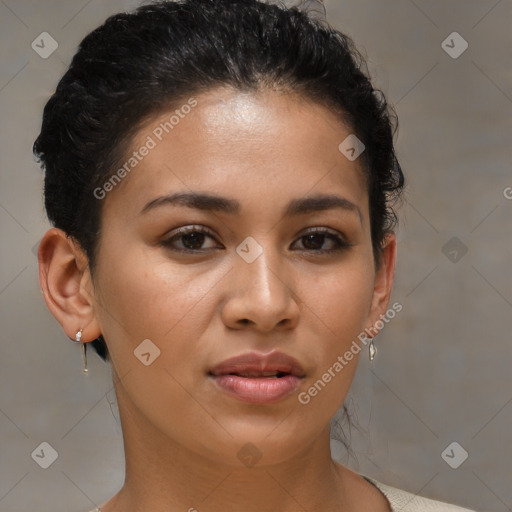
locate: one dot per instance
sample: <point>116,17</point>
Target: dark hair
<point>138,64</point>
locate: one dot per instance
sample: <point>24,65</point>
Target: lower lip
<point>257,390</point>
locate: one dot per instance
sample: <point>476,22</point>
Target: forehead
<point>248,145</point>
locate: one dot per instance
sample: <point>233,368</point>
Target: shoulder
<point>404,501</point>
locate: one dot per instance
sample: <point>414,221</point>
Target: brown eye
<point>316,239</point>
<point>191,239</point>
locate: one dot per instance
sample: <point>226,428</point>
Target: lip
<point>255,387</point>
<point>255,362</point>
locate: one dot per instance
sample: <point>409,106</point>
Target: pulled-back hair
<point>139,64</point>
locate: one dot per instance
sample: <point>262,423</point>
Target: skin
<point>181,434</point>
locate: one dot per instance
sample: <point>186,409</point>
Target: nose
<point>260,296</point>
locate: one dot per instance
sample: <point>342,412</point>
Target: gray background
<point>442,371</point>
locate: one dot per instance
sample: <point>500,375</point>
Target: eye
<point>192,239</point>
<point>314,239</point>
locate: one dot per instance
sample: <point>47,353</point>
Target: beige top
<point>403,501</point>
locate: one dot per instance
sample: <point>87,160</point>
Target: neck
<point>165,476</point>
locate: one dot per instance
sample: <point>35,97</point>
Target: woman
<point>221,178</point>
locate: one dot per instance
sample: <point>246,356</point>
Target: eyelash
<point>341,244</point>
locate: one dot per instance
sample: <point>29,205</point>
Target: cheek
<point>340,299</point>
<point>338,308</point>
<point>157,302</point>
<point>146,297</point>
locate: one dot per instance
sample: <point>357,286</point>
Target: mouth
<point>256,365</point>
<point>257,389</point>
<point>253,374</point>
<point>257,378</point>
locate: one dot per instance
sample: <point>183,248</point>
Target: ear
<point>66,284</point>
<point>384,278</point>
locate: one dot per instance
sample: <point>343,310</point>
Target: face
<point>264,270</point>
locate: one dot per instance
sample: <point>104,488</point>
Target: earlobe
<point>384,279</point>
<point>66,285</point>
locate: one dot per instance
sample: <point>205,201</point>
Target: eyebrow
<point>208,202</point>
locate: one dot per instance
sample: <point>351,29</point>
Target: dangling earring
<point>78,338</point>
<point>372,350</point>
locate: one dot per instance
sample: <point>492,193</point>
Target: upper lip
<point>255,363</point>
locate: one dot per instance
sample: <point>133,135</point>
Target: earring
<point>78,338</point>
<point>372,350</point>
